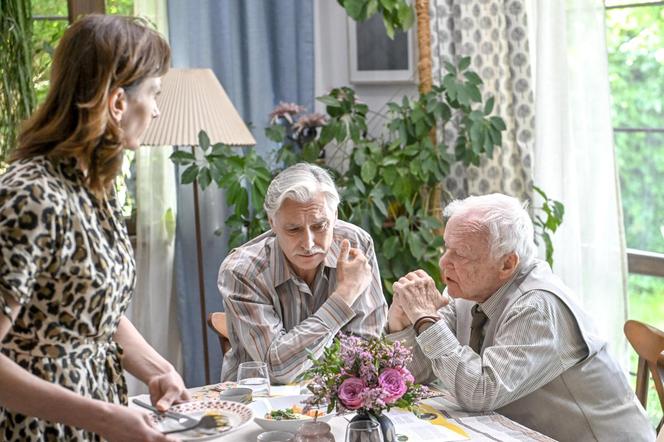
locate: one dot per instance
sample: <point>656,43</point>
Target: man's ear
<point>117,103</point>
<point>510,263</point>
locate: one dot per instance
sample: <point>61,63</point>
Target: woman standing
<point>66,264</point>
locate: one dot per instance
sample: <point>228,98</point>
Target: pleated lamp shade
<point>192,100</point>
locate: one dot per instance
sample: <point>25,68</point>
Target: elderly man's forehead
<point>467,223</point>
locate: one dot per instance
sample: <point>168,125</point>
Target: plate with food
<point>228,416</point>
<point>286,413</point>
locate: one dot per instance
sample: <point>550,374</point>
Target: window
<point>635,42</point>
<point>50,19</point>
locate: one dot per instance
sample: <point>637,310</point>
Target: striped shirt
<point>537,344</point>
<point>274,316</point>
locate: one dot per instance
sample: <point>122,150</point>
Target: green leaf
<point>204,177</point>
<point>472,77</point>
<point>329,101</point>
<point>368,171</point>
<point>359,184</point>
<point>203,140</point>
<point>464,63</point>
<point>488,106</point>
<point>189,175</point>
<point>416,246</point>
<point>390,247</point>
<point>498,123</point>
<point>276,133</point>
<point>402,224</point>
<point>182,157</point>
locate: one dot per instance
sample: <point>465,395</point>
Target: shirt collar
<point>491,305</point>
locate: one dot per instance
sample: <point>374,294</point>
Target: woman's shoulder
<point>32,180</point>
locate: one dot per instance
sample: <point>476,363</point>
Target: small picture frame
<point>375,58</point>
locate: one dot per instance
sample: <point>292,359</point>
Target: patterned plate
<point>236,413</point>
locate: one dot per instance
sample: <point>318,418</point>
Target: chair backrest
<point>649,345</point>
<point>217,322</point>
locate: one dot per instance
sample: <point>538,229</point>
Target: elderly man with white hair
<point>292,289</point>
<point>508,335</point>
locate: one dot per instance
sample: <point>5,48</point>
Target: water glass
<point>275,436</point>
<point>254,375</point>
<point>364,431</point>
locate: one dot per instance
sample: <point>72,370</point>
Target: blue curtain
<point>262,52</point>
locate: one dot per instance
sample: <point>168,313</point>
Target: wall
<point>332,66</point>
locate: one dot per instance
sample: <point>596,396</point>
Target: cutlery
<point>182,419</point>
<point>207,422</point>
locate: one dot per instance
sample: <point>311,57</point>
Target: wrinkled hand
<point>418,296</point>
<point>129,425</point>
<point>396,317</point>
<point>167,389</point>
<point>353,273</point>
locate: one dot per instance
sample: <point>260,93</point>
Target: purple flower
<point>309,120</point>
<point>285,110</point>
<point>350,393</point>
<point>407,375</point>
<point>393,383</point>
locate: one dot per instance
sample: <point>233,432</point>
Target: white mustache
<point>313,251</point>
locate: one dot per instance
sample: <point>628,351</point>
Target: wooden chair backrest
<point>648,342</point>
<point>217,322</point>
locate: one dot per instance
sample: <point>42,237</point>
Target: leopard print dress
<point>65,257</point>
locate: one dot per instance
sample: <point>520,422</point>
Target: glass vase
<point>386,424</point>
<point>314,432</point>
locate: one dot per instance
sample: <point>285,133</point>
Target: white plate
<point>263,406</point>
<point>237,414</point>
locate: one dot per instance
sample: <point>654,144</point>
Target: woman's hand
<point>129,425</point>
<point>167,389</point>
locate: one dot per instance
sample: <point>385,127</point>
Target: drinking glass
<point>364,431</point>
<point>254,375</point>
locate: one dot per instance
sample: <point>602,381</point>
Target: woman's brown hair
<point>96,55</point>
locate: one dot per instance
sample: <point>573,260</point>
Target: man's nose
<point>443,261</point>
<point>308,239</point>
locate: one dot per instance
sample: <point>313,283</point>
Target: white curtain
<point>574,157</point>
<point>153,309</point>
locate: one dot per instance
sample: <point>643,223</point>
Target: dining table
<point>469,426</point>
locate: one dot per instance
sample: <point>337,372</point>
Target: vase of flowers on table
<point>364,376</point>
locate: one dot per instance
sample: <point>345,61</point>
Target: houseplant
<point>386,182</point>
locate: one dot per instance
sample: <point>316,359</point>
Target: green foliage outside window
<point>635,41</point>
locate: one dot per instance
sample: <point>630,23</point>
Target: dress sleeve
<point>27,240</point>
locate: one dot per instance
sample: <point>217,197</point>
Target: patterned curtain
<point>494,34</point>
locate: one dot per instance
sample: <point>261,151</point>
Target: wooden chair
<point>217,322</point>
<point>649,345</point>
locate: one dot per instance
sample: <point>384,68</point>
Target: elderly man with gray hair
<point>292,289</point>
<point>512,338</point>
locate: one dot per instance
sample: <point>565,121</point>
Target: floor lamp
<point>192,100</point>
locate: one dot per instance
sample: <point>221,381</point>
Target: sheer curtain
<point>262,53</point>
<point>574,157</point>
<point>153,308</point>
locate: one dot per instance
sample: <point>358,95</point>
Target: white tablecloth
<point>479,426</point>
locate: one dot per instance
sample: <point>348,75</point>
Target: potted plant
<point>387,184</point>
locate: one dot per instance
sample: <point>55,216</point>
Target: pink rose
<point>407,375</point>
<point>393,384</point>
<point>350,393</point>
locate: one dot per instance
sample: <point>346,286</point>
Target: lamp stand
<point>201,279</point>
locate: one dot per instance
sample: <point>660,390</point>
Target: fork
<point>182,419</point>
<point>206,422</point>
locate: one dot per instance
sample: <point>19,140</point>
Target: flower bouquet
<point>367,376</point>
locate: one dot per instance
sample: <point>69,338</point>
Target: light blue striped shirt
<point>274,316</point>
